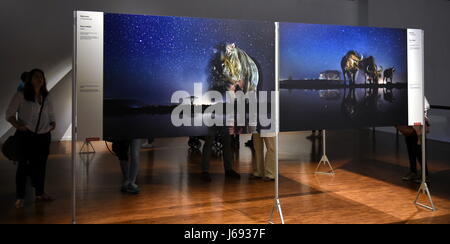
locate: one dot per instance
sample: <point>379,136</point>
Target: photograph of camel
<point>338,77</point>
<point>147,59</point>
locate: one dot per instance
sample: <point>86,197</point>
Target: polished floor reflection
<point>366,189</point>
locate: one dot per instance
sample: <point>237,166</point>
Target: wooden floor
<point>367,187</point>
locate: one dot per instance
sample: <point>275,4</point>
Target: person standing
<point>31,113</point>
<point>128,152</point>
<point>413,138</point>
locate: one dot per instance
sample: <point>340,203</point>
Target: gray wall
<point>39,33</point>
<point>433,16</point>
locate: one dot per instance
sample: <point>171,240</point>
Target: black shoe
<point>254,177</point>
<point>206,177</point>
<point>267,179</point>
<point>410,177</point>
<point>132,189</point>
<point>232,174</point>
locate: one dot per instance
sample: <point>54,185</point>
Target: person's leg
<point>207,150</point>
<point>206,154</point>
<point>258,144</point>
<point>228,155</point>
<point>23,170</point>
<point>135,161</point>
<point>270,164</point>
<point>40,163</point>
<point>34,163</point>
<point>149,143</point>
<point>411,144</point>
<point>227,152</point>
<point>125,169</point>
<point>21,179</point>
<point>121,149</point>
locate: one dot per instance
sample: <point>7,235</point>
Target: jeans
<point>38,149</point>
<point>128,153</point>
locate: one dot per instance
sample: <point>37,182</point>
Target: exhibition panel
<point>150,59</point>
<point>157,73</point>
<point>335,77</point>
<point>88,74</point>
<point>143,77</point>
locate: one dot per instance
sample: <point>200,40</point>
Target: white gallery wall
<point>39,33</point>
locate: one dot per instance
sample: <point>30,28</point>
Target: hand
<point>53,126</point>
<point>21,128</point>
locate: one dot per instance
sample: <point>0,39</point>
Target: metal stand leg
<point>276,202</point>
<point>277,207</point>
<point>86,148</point>
<point>425,191</point>
<point>324,159</point>
<point>424,186</point>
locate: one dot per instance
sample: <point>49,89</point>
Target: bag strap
<point>40,115</point>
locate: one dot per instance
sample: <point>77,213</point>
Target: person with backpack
<point>31,113</point>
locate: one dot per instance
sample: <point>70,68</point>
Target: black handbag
<point>14,147</point>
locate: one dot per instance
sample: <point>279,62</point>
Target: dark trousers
<point>207,148</point>
<point>35,166</point>
<point>414,152</point>
<point>122,149</point>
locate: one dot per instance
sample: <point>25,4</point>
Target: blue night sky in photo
<point>147,58</point>
<point>306,50</point>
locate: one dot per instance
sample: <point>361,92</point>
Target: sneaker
<point>232,174</point>
<point>255,177</point>
<point>410,177</point>
<point>147,146</point>
<point>20,203</point>
<point>131,189</point>
<point>206,177</point>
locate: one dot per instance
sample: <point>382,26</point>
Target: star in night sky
<point>148,58</point>
<point>306,50</point>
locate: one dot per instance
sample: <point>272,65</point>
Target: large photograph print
<point>336,77</point>
<point>149,58</point>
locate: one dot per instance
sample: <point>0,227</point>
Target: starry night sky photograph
<point>306,50</point>
<point>148,58</point>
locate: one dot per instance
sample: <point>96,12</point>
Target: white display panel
<point>89,74</point>
<point>88,70</point>
<point>415,76</point>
